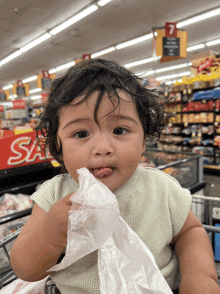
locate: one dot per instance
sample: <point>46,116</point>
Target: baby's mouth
<point>102,172</point>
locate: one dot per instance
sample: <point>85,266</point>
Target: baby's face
<point>112,150</point>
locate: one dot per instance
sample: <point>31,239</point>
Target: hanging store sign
<point>171,44</point>
<point>4,95</point>
<point>44,81</point>
<point>19,89</point>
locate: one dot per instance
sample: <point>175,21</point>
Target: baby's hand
<point>56,222</point>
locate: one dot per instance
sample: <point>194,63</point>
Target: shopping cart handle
<point>211,229</point>
<point>13,216</point>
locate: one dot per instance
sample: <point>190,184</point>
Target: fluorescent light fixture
<point>200,17</point>
<point>199,46</point>
<point>143,61</point>
<point>103,52</point>
<point>12,96</point>
<point>35,97</point>
<point>61,67</point>
<point>134,41</point>
<point>10,57</point>
<point>171,67</point>
<point>35,42</point>
<point>186,73</point>
<point>169,83</point>
<point>74,19</point>
<point>103,2</point>
<point>166,77</point>
<point>145,74</point>
<point>214,42</point>
<point>33,78</point>
<point>35,90</point>
<point>8,87</point>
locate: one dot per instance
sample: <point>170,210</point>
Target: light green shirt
<point>152,203</point>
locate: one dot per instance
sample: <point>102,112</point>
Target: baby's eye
<point>81,134</point>
<point>120,131</point>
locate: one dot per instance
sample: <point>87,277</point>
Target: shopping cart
<point>206,208</point>
<point>6,273</point>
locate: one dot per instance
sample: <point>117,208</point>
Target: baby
<point>99,116</point>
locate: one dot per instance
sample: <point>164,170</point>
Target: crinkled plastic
<point>21,287</point>
<point>92,219</point>
<point>125,264</point>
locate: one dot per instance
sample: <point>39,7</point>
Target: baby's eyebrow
<point>78,120</point>
<point>119,116</point>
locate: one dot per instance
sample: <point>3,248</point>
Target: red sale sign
<point>21,150</point>
<point>18,104</point>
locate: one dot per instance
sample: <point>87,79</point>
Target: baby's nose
<point>103,146</point>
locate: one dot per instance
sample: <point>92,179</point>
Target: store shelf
<point>195,115</point>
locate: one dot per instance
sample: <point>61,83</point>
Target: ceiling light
<point>10,57</point>
<point>8,87</point>
<point>103,2</point>
<point>199,46</point>
<point>214,42</point>
<point>35,97</point>
<point>74,19</point>
<point>185,73</point>
<point>105,51</point>
<point>171,67</point>
<point>166,77</point>
<point>148,73</point>
<point>143,61</point>
<point>33,78</point>
<point>61,67</point>
<point>35,90</point>
<point>35,42</point>
<point>200,17</point>
<point>134,41</point>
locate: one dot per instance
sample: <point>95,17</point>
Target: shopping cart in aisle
<point>6,273</point>
<point>207,210</point>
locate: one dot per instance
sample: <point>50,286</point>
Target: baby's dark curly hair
<point>105,77</point>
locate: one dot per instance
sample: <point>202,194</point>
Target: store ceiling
<point>22,21</point>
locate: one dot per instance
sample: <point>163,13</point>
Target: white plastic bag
<point>21,287</point>
<point>125,264</point>
<point>92,219</point>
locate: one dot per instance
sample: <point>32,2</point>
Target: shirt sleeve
<point>45,197</point>
<point>179,200</point>
<point>53,190</point>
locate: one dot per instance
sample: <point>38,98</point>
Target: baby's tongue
<point>101,172</point>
